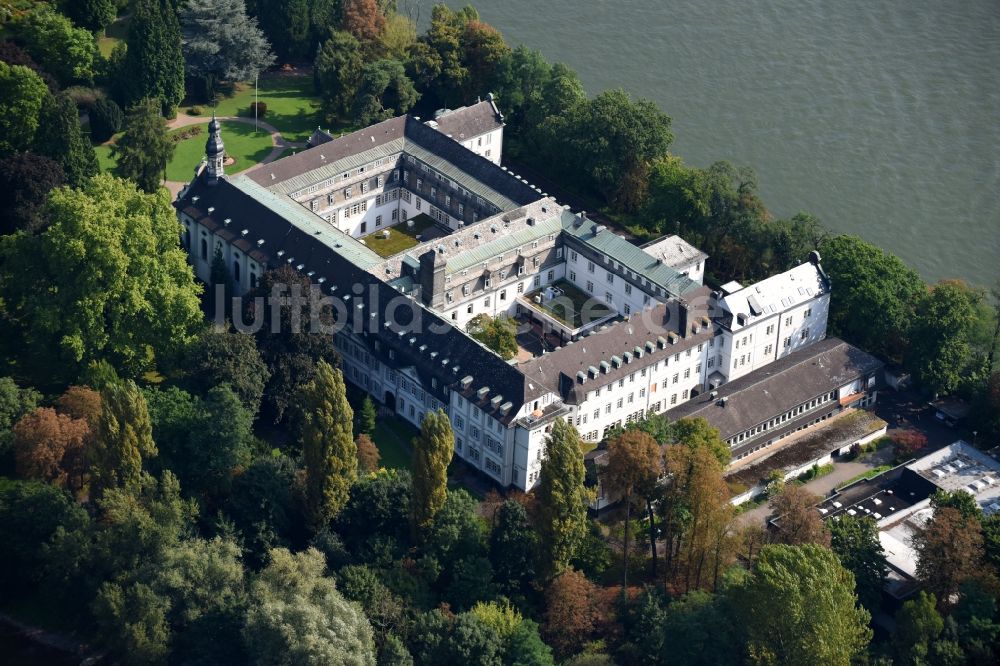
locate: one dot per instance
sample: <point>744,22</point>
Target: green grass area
<point>875,471</point>
<point>400,237</point>
<point>574,308</point>
<point>292,105</point>
<point>392,437</point>
<point>242,144</point>
<point>116,32</point>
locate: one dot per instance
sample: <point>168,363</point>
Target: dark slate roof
<point>558,370</point>
<point>779,386</point>
<point>469,121</point>
<point>319,136</point>
<point>440,340</point>
<point>402,134</point>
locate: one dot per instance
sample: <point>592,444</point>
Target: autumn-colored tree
<point>572,612</point>
<point>697,518</point>
<point>634,467</point>
<point>81,402</point>
<point>45,445</point>
<point>432,452</point>
<point>562,498</point>
<point>331,457</point>
<point>949,550</point>
<point>362,19</point>
<point>799,521</point>
<point>908,443</point>
<point>484,49</point>
<point>368,455</point>
<point>124,437</point>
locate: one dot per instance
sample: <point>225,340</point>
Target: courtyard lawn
<point>392,437</point>
<point>292,104</point>
<point>400,237</point>
<point>104,158</point>
<point>115,33</point>
<point>242,144</point>
<point>578,302</point>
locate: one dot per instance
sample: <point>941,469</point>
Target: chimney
<point>682,317</point>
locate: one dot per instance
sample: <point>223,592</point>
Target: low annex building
<point>494,244</point>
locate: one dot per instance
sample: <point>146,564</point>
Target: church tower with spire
<point>215,152</point>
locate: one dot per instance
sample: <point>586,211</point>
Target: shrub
<point>84,96</point>
<point>106,118</point>
<point>195,111</point>
<point>260,107</point>
<point>908,442</point>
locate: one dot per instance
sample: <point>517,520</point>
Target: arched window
<point>236,271</point>
<point>204,249</point>
<point>187,239</point>
<point>253,280</point>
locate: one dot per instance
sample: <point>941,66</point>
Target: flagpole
<point>255,127</point>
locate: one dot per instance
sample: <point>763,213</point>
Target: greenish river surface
<point>881,118</point>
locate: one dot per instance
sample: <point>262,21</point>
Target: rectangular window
<point>378,220</point>
<point>573,256</point>
<point>611,278</point>
<point>628,288</point>
<point>590,286</point>
<point>607,297</point>
<point>590,266</point>
<point>572,276</point>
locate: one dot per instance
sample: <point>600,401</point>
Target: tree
<point>143,151</point>
<point>296,616</point>
<point>61,138</point>
<point>497,333</point>
<point>874,295</point>
<point>27,179</point>
<point>949,550</point>
<point>262,506</point>
<point>47,444</point>
<point>610,142</point>
<point>856,543</point>
<point>202,440</point>
<point>154,62</point>
<point>634,467</point>
<point>234,50</point>
<point>562,498</point>
<point>117,284</point>
<point>218,356</point>
<point>698,628</point>
<point>22,97</point>
<point>337,73</point>
<point>572,612</point>
<point>368,416</point>
<point>432,452</point>
<point>798,607</point>
<point>64,50</point>
<point>94,15</point>
<point>799,521</point>
<point>325,431</point>
<point>918,624</point>
<point>940,351</point>
<point>293,342</point>
<point>362,19</point>
<point>368,455</point>
<point>398,36</point>
<point>907,443</point>
<point>124,438</point>
<point>384,91</point>
<point>471,641</point>
<point>698,433</point>
<point>15,402</point>
<point>512,549</point>
<point>12,54</point>
<point>525,646</point>
<point>375,519</point>
<point>483,51</point>
<point>106,120</point>
<point>287,25</point>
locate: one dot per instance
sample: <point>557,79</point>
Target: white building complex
<point>619,331</point>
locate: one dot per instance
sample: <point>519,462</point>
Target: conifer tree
<point>368,416</point>
<point>219,276</point>
<point>331,456</point>
<point>61,138</point>
<point>154,64</point>
<point>144,149</point>
<point>562,498</point>
<point>432,452</point>
<point>124,437</point>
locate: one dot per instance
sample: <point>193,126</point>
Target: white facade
<point>772,319</point>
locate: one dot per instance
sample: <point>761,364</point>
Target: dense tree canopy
<point>154,64</point>
<point>61,138</point>
<point>798,607</point>
<point>432,451</point>
<point>117,284</point>
<point>221,41</point>
<point>143,151</point>
<point>26,179</point>
<point>562,498</point>
<point>383,92</point>
<point>22,96</point>
<point>67,52</point>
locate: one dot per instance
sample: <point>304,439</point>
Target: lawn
<point>574,308</point>
<point>242,144</point>
<point>392,437</point>
<point>292,105</point>
<point>116,32</point>
<point>400,237</point>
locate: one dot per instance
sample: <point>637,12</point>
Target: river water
<point>881,118</point>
